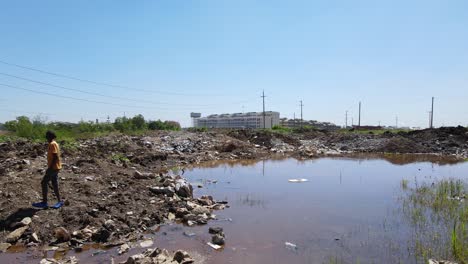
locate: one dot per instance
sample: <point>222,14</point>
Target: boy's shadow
<point>9,222</point>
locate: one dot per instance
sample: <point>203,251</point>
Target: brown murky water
<point>347,211</point>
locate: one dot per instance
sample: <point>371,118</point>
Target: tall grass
<point>438,213</point>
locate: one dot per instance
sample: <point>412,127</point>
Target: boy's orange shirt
<point>54,149</point>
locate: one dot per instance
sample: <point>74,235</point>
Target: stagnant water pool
<point>348,211</point>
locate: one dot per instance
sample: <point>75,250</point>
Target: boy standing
<point>54,165</point>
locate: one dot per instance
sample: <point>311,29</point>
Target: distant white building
<point>239,120</point>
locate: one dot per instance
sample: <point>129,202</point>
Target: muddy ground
<point>118,187</point>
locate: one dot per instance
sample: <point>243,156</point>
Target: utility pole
<point>432,113</point>
<point>346,119</point>
<point>263,97</point>
<point>301,113</point>
<point>359,120</point>
<point>294,118</point>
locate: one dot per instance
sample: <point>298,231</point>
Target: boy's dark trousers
<point>50,175</point>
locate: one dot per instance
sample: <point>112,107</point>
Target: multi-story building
<point>294,123</point>
<point>239,120</point>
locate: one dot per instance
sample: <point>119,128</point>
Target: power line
<point>25,112</point>
<point>74,98</point>
<point>98,94</point>
<point>100,83</point>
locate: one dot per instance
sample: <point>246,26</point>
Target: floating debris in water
<point>214,245</point>
<point>188,234</point>
<point>298,180</point>
<point>291,246</point>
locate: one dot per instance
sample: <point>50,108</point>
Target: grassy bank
<point>438,215</point>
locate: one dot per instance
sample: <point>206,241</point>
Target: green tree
<point>138,122</point>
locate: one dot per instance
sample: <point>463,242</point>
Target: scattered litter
<point>188,234</point>
<point>291,246</point>
<point>146,243</point>
<point>298,180</point>
<point>433,261</point>
<point>214,245</point>
<point>98,252</point>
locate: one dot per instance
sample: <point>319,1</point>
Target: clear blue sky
<point>218,56</point>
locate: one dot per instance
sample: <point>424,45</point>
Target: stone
<point>171,216</point>
<point>183,188</point>
<point>169,191</point>
<point>217,240</point>
<point>124,249</point>
<point>180,255</point>
<point>15,235</point>
<point>135,259</point>
<point>35,238</point>
<point>62,234</point>
<point>102,235</point>
<point>200,210</point>
<point>4,247</point>
<point>142,175</point>
<point>181,212</point>
<point>26,162</point>
<point>215,230</point>
<point>109,224</point>
<point>26,221</point>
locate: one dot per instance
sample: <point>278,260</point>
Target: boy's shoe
<point>40,205</point>
<point>58,205</point>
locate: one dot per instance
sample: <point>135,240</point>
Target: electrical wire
<point>101,83</point>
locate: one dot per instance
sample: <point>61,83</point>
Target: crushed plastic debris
<point>291,246</point>
<point>214,245</point>
<point>298,180</point>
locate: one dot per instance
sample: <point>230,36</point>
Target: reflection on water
<point>349,211</point>
<point>251,200</point>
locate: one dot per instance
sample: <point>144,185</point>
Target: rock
<point>135,259</point>
<point>142,175</point>
<point>84,233</point>
<point>181,212</point>
<point>70,260</point>
<point>102,235</point>
<point>62,234</point>
<point>180,255</point>
<point>202,219</point>
<point>4,247</point>
<point>26,221</point>
<point>124,249</point>
<point>109,224</point>
<point>169,191</point>
<point>15,235</point>
<point>171,216</point>
<point>189,217</point>
<point>217,240</point>
<point>183,188</point>
<point>26,162</point>
<point>163,256</point>
<point>215,230</point>
<point>75,169</point>
<point>34,238</point>
<point>201,210</point>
